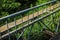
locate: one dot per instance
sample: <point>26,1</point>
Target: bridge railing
<point>27,28</point>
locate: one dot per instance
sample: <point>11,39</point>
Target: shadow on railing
<point>26,27</point>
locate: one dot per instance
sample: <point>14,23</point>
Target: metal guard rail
<point>20,12</point>
<point>25,26</point>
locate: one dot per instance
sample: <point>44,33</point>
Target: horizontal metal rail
<point>20,12</point>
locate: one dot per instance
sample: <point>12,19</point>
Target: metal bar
<point>0,35</point>
<point>28,28</point>
<point>8,29</point>
<point>45,26</point>
<point>20,12</point>
<point>20,35</point>
<point>22,31</point>
<point>57,26</point>
<point>40,25</point>
<point>15,24</point>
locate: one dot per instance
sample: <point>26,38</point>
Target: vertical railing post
<point>15,25</point>
<point>21,31</point>
<point>58,22</point>
<point>39,27</point>
<point>28,28</point>
<point>8,29</point>
<point>57,28</point>
<point>0,35</point>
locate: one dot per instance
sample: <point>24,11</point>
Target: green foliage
<point>7,6</point>
<point>10,4</point>
<point>4,14</point>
